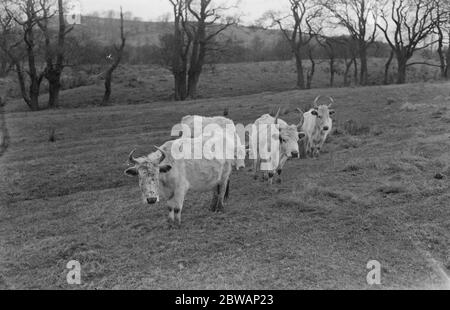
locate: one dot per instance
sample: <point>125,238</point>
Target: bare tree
<point>350,59</point>
<point>387,67</point>
<point>116,59</point>
<point>54,55</point>
<point>6,31</point>
<point>181,46</point>
<point>300,31</point>
<point>201,32</point>
<point>196,25</point>
<point>357,16</point>
<point>312,70</point>
<point>405,25</point>
<point>443,33</point>
<point>331,48</point>
<point>26,15</point>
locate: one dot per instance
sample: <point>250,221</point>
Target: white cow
<point>273,142</point>
<point>223,124</point>
<point>317,126</point>
<point>172,171</point>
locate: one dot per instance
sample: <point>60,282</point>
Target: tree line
<point>37,43</point>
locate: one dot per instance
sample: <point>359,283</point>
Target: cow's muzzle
<point>152,201</point>
<point>295,155</point>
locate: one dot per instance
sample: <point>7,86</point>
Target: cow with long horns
<point>200,125</point>
<point>317,125</point>
<point>174,170</point>
<point>273,143</point>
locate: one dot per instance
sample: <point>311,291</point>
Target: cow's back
<point>309,123</point>
<point>201,175</point>
<point>221,122</point>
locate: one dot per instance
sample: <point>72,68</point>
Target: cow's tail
<point>227,192</point>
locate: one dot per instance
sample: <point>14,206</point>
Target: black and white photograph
<point>224,146</point>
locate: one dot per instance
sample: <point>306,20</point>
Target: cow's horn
<point>316,101</point>
<point>331,102</point>
<point>277,116</point>
<point>131,159</point>
<point>164,155</point>
<point>302,114</point>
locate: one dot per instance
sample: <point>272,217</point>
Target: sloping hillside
<point>373,195</point>
<point>147,33</point>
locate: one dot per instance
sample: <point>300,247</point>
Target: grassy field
<point>373,195</point>
<point>145,84</point>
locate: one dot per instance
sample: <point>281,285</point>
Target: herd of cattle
<point>163,174</point>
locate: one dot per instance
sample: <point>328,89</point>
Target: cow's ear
<point>301,135</point>
<point>131,172</point>
<point>165,169</point>
<point>315,112</point>
<point>332,112</point>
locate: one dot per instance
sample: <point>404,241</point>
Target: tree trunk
<point>34,94</point>
<point>54,87</point>
<point>387,66</point>
<point>108,81</point>
<point>311,73</point>
<point>442,60</point>
<point>3,66</point>
<point>364,66</point>
<point>348,66</point>
<point>115,64</point>
<point>180,86</point>
<point>332,72</point>
<point>193,79</point>
<point>447,57</point>
<point>54,70</point>
<point>402,67</point>
<point>300,73</point>
<point>355,66</point>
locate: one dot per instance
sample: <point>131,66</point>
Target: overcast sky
<point>249,10</point>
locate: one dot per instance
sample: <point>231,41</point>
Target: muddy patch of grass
<point>314,192</point>
<point>349,142</point>
<point>392,189</point>
<point>356,128</point>
<point>356,165</point>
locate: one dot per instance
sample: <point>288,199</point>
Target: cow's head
<point>289,137</point>
<point>148,169</point>
<point>323,115</point>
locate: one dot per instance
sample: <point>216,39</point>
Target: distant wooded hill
<point>139,33</point>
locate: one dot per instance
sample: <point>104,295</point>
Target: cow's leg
<point>171,218</point>
<point>227,192</point>
<point>224,189</point>
<point>312,149</point>
<point>179,208</point>
<point>280,169</point>
<point>222,193</point>
<point>257,167</point>
<point>215,199</point>
<point>270,175</point>
<point>306,146</point>
<point>316,153</point>
<point>176,206</point>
